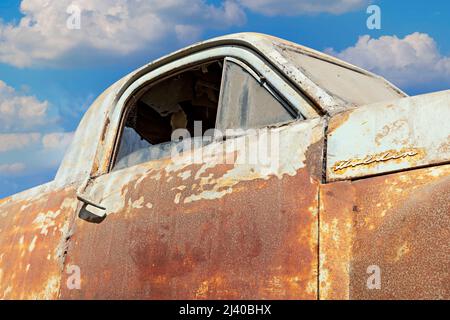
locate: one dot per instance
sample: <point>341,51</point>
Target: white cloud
<point>57,140</point>
<point>31,142</point>
<point>19,112</point>
<point>108,28</point>
<point>296,7</point>
<point>14,168</point>
<point>17,141</point>
<point>35,152</point>
<point>409,61</point>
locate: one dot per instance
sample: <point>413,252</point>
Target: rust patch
<point>4,200</point>
<point>398,222</point>
<point>105,128</point>
<point>336,223</point>
<point>403,228</point>
<point>30,238</point>
<point>400,129</point>
<point>338,120</point>
<point>95,167</point>
<point>314,159</point>
<point>445,146</point>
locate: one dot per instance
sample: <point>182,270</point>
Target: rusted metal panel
<point>399,223</point>
<point>390,136</point>
<point>237,247</point>
<point>33,233</point>
<point>181,230</point>
<point>335,240</point>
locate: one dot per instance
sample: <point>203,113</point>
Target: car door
<point>232,219</point>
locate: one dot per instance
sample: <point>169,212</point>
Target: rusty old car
<point>361,186</point>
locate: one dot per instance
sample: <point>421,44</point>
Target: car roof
<point>268,47</point>
<point>262,43</point>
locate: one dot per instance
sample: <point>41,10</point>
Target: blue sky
<point>49,75</point>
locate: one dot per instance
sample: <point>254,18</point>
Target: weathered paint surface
<point>178,229</point>
<point>389,136</point>
<point>242,246</point>
<point>221,231</point>
<point>398,222</point>
<point>33,234</point>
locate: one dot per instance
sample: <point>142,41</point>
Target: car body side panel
<point>399,223</point>
<point>206,231</point>
<point>34,230</point>
<point>257,243</point>
<point>182,230</point>
<point>390,136</point>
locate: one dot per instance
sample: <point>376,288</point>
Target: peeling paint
<point>198,242</point>
<point>28,241</point>
<point>179,229</point>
